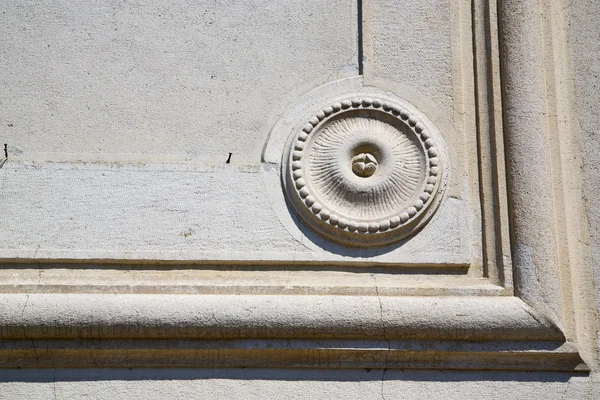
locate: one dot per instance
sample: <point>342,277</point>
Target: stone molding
<point>150,316</point>
<point>541,324</point>
<point>81,330</point>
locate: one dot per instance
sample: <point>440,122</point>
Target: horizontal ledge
<point>452,264</point>
<point>209,317</point>
<point>142,259</point>
<point>238,280</point>
<point>284,353</point>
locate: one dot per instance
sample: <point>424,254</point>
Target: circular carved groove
<point>365,172</point>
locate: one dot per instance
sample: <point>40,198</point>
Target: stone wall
<point>372,199</point>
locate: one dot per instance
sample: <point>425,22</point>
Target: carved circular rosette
<point>365,171</point>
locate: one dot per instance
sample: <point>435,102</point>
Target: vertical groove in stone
<point>359,44</point>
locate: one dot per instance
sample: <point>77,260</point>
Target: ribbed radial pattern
<point>387,191</point>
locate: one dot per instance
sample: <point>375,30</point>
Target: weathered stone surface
<point>191,80</point>
<point>182,212</point>
<point>366,171</point>
<point>144,222</point>
<point>241,384</point>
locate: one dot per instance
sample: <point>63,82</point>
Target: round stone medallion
<point>365,171</point>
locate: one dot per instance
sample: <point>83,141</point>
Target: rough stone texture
<point>89,316</point>
<point>181,212</point>
<point>166,91</point>
<point>194,80</point>
<point>585,44</point>
<point>160,119</point>
<point>292,384</point>
<point>416,52</point>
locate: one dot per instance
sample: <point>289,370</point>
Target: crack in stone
<point>25,329</point>
<point>23,313</point>
<point>386,364</point>
<point>54,382</point>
